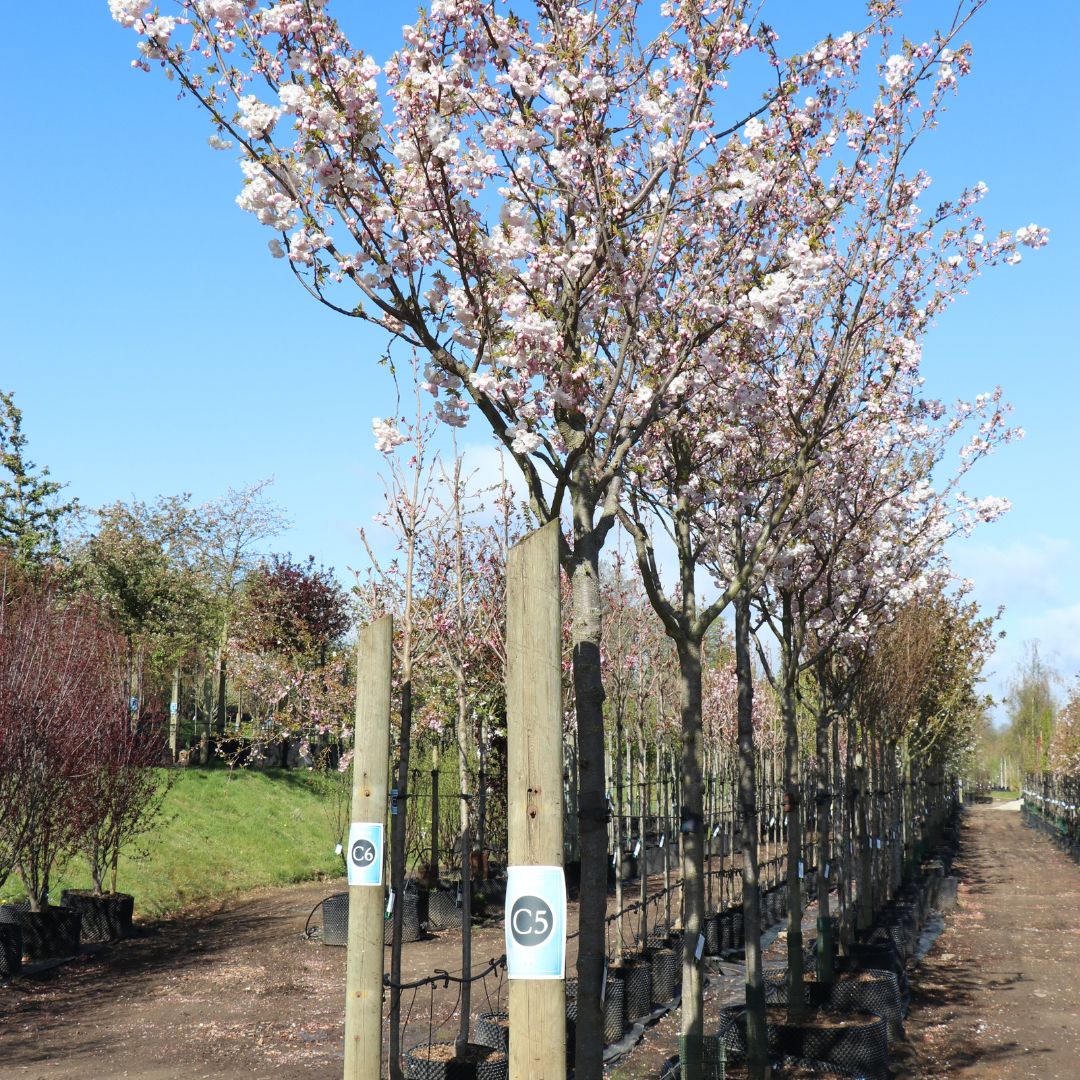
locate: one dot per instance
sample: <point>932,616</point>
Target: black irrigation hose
<point>445,978</point>
<point>307,925</point>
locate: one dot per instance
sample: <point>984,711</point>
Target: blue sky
<point>155,347</point>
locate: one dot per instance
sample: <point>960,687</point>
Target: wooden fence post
<point>367,847</point>
<point>534,727</point>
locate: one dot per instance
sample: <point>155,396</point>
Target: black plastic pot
<point>864,990</point>
<point>712,935</point>
<point>727,939</point>
<point>335,919</point>
<point>571,1000</point>
<point>493,1029</point>
<point>862,1046</point>
<point>614,1008</point>
<point>443,909</point>
<point>665,975</point>
<point>49,933</point>
<point>637,981</point>
<point>878,958</point>
<point>486,1063</point>
<point>10,950</point>
<point>738,932</point>
<point>410,920</point>
<point>104,918</point>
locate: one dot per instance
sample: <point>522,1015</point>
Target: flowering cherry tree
<point>551,206</point>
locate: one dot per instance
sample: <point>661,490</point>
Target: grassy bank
<point>220,835</point>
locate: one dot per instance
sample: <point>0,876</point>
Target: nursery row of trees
<point>699,320</point>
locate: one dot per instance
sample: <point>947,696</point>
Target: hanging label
<point>637,849</point>
<point>826,871</point>
<point>603,987</point>
<point>700,946</point>
<point>800,869</point>
<point>716,832</point>
<point>772,822</point>
<point>663,837</point>
<point>393,801</point>
<point>390,904</point>
<point>365,860</point>
<point>535,922</point>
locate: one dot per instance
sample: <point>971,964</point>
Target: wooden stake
<point>371,762</point>
<point>534,724</point>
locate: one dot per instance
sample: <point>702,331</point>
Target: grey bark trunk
<point>691,833</point>
<point>397,871</point>
<point>589,706</point>
<point>757,1047</point>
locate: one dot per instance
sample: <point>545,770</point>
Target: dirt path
<point>998,996</point>
<point>235,991</point>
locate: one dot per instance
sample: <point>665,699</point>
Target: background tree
<point>1030,705</point>
<point>31,513</point>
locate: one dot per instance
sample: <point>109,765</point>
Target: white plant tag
<point>826,871</point>
<point>390,904</point>
<point>700,946</point>
<point>716,832</point>
<point>663,838</point>
<point>800,869</point>
<point>637,849</point>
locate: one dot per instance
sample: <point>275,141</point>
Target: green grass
<point>1005,796</point>
<point>220,835</point>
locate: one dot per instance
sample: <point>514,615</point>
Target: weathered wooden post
<point>536,887</point>
<point>366,853</point>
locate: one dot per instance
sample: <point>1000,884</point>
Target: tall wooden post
<point>534,727</point>
<point>174,716</point>
<point>371,762</point>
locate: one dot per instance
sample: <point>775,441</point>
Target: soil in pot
<point>437,1061</point>
<point>105,917</point>
<point>49,933</point>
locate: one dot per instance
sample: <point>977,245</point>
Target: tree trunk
<point>691,832</point>
<point>433,868</point>
<point>397,868</point>
<point>222,676</point>
<point>620,809</point>
<point>793,822</point>
<point>643,809</point>
<point>757,1046</point>
<point>824,822</point>
<point>466,867</point>
<point>592,810</point>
